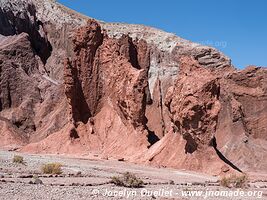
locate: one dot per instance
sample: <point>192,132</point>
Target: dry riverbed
<point>90,179</point>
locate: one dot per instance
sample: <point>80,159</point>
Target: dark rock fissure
<point>191,145</point>
<point>18,124</point>
<point>151,137</point>
<point>79,106</point>
<point>129,50</point>
<point>74,134</point>
<point>133,55</point>
<point>213,143</point>
<point>9,95</point>
<point>161,108</point>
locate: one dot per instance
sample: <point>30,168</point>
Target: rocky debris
<point>36,181</point>
<point>73,85</point>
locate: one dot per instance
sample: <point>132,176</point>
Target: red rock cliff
<point>125,91</point>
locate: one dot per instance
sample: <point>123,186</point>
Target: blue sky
<point>236,27</point>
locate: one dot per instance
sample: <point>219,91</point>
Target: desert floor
<point>90,179</point>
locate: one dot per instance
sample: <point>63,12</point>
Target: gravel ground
<point>90,179</point>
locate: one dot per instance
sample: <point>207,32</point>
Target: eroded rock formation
<point>194,105</point>
<point>70,84</point>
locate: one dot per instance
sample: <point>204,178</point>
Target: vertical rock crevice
<point>161,104</point>
<point>213,143</point>
<point>74,93</point>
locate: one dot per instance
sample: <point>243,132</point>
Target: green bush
<point>18,159</point>
<point>52,168</point>
<point>127,180</point>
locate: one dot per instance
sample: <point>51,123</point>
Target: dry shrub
<point>52,168</point>
<point>234,181</point>
<point>18,159</point>
<point>127,180</point>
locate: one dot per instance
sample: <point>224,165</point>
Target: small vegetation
<point>234,181</point>
<point>18,159</point>
<point>127,180</point>
<point>52,168</point>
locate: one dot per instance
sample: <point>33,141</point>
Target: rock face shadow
<point>152,138</point>
<point>191,145</point>
<point>222,157</point>
<point>11,24</point>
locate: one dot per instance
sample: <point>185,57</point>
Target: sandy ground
<point>90,179</point>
